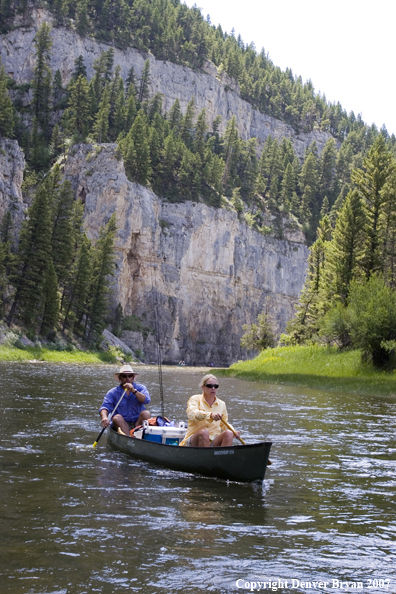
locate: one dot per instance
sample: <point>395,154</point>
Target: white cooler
<point>167,435</point>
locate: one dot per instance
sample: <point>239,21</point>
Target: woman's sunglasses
<point>215,386</point>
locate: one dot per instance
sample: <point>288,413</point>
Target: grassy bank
<point>55,356</point>
<point>316,367</point>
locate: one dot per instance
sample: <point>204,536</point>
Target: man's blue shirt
<point>129,407</point>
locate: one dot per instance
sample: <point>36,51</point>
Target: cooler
<point>168,435</point>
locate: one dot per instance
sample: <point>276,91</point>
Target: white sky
<point>346,47</point>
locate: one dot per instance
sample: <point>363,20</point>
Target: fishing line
<point>158,336</point>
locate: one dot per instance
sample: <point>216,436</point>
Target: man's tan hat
<point>124,369</point>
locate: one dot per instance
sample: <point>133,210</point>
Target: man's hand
<point>128,386</point>
<point>216,416</point>
<point>105,422</point>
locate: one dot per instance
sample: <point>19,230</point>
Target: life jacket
<point>157,421</point>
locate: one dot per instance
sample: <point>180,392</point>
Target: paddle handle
<point>233,430</point>
<point>109,417</point>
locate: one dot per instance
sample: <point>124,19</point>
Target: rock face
<point>192,274</point>
<point>218,94</point>
<point>12,165</point>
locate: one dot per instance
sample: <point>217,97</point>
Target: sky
<point>347,48</point>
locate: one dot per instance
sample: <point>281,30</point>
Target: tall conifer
<point>6,108</point>
<point>103,268</point>
<point>34,253</point>
<point>42,78</point>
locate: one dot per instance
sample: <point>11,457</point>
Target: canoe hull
<point>242,463</point>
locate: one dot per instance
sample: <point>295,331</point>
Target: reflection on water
<point>76,520</point>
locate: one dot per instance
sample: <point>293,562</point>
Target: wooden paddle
<point>233,430</point>
<point>240,438</point>
<point>109,417</point>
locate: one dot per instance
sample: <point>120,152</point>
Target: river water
<point>76,520</point>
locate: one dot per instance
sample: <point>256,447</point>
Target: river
<point>77,519</point>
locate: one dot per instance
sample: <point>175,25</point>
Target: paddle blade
<point>95,444</point>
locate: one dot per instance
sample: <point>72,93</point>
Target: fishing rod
<point>159,350</point>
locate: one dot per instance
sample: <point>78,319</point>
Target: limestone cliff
<point>197,272</point>
<point>218,94</point>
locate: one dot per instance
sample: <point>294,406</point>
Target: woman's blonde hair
<point>205,379</point>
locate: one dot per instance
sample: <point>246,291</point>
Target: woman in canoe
<point>205,413</point>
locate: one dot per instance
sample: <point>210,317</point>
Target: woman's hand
<point>216,416</point>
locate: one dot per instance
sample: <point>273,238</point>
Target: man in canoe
<point>131,411</point>
<point>206,413</point>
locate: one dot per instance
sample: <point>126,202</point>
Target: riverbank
<point>318,367</point>
<point>12,353</point>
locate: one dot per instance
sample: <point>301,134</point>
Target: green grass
<point>317,367</point>
<point>54,356</point>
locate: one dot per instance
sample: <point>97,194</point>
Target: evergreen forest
<point>344,194</point>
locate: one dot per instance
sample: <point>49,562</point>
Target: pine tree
<point>3,280</point>
<point>33,256</point>
<point>101,125</point>
<point>130,83</point>
<point>217,148</point>
<point>103,67</point>
<point>57,90</point>
<point>38,150</point>
<point>50,299</point>
<point>6,239</point>
<point>230,149</point>
<point>169,160</point>
<point>79,69</point>
<point>346,250</point>
<point>248,168</point>
<point>304,327</point>
<point>201,129</point>
<point>114,90</point>
<point>390,231</point>
<point>379,166</point>
<point>120,114</point>
<point>56,146</point>
<point>62,231</point>
<point>288,187</point>
<point>136,150</point>
<point>42,78</point>
<point>175,117</point>
<point>156,141</point>
<point>82,24</point>
<point>78,286</point>
<point>308,180</point>
<point>79,108</point>
<point>154,106</point>
<point>270,171</point>
<point>103,268</point>
<point>6,108</point>
<point>131,111</point>
<point>327,170</point>
<point>144,86</point>
<point>187,125</point>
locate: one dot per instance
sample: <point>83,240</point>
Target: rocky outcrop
<point>217,93</point>
<point>192,274</point>
<point>12,165</point>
